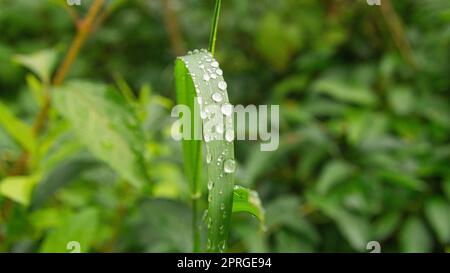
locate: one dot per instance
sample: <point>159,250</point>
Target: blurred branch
<point>83,32</point>
<point>397,31</point>
<point>173,28</point>
<point>80,38</point>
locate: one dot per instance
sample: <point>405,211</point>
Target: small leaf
<point>80,227</point>
<point>355,228</point>
<point>437,211</point>
<point>402,100</point>
<point>41,63</point>
<point>62,174</point>
<point>414,236</point>
<point>246,200</point>
<point>106,125</point>
<point>19,188</point>
<point>17,129</point>
<point>334,172</point>
<point>344,92</point>
<point>163,217</point>
<point>403,180</point>
<point>386,225</point>
<point>36,88</point>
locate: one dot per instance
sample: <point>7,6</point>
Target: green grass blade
<point>192,149</point>
<point>197,70</point>
<point>214,26</point>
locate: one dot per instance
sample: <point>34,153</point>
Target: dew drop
<point>201,66</point>
<point>202,114</point>
<point>229,135</point>
<point>219,129</point>
<point>208,158</point>
<point>222,85</point>
<point>213,76</point>
<point>226,109</point>
<point>206,77</point>
<point>229,166</point>
<point>217,97</point>
<point>222,206</point>
<point>219,72</point>
<point>215,64</point>
<point>196,51</point>
<point>208,244</point>
<point>210,185</point>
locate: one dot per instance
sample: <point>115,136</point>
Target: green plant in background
<point>364,126</point>
<point>199,80</point>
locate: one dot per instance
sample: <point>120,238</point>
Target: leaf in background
<point>60,176</point>
<point>277,40</point>
<point>402,100</point>
<point>285,212</point>
<point>403,180</point>
<point>19,188</point>
<point>106,125</point>
<point>245,200</point>
<point>80,227</point>
<point>17,129</point>
<point>168,178</point>
<point>414,236</point>
<point>346,93</point>
<point>36,88</point>
<point>161,225</point>
<point>289,242</point>
<point>334,172</point>
<point>355,228</point>
<point>41,63</point>
<point>437,211</point>
<point>386,225</point>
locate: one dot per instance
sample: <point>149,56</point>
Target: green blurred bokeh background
<point>364,124</point>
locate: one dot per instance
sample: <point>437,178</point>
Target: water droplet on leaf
<point>229,166</point>
<point>217,97</point>
<point>222,85</point>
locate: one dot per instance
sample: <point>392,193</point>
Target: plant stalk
<point>214,26</point>
<point>83,30</point>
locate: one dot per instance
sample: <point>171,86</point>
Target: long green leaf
<point>106,125</point>
<point>199,74</point>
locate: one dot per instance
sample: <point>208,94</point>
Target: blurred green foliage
<point>364,131</point>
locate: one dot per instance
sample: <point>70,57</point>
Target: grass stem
<point>214,26</point>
